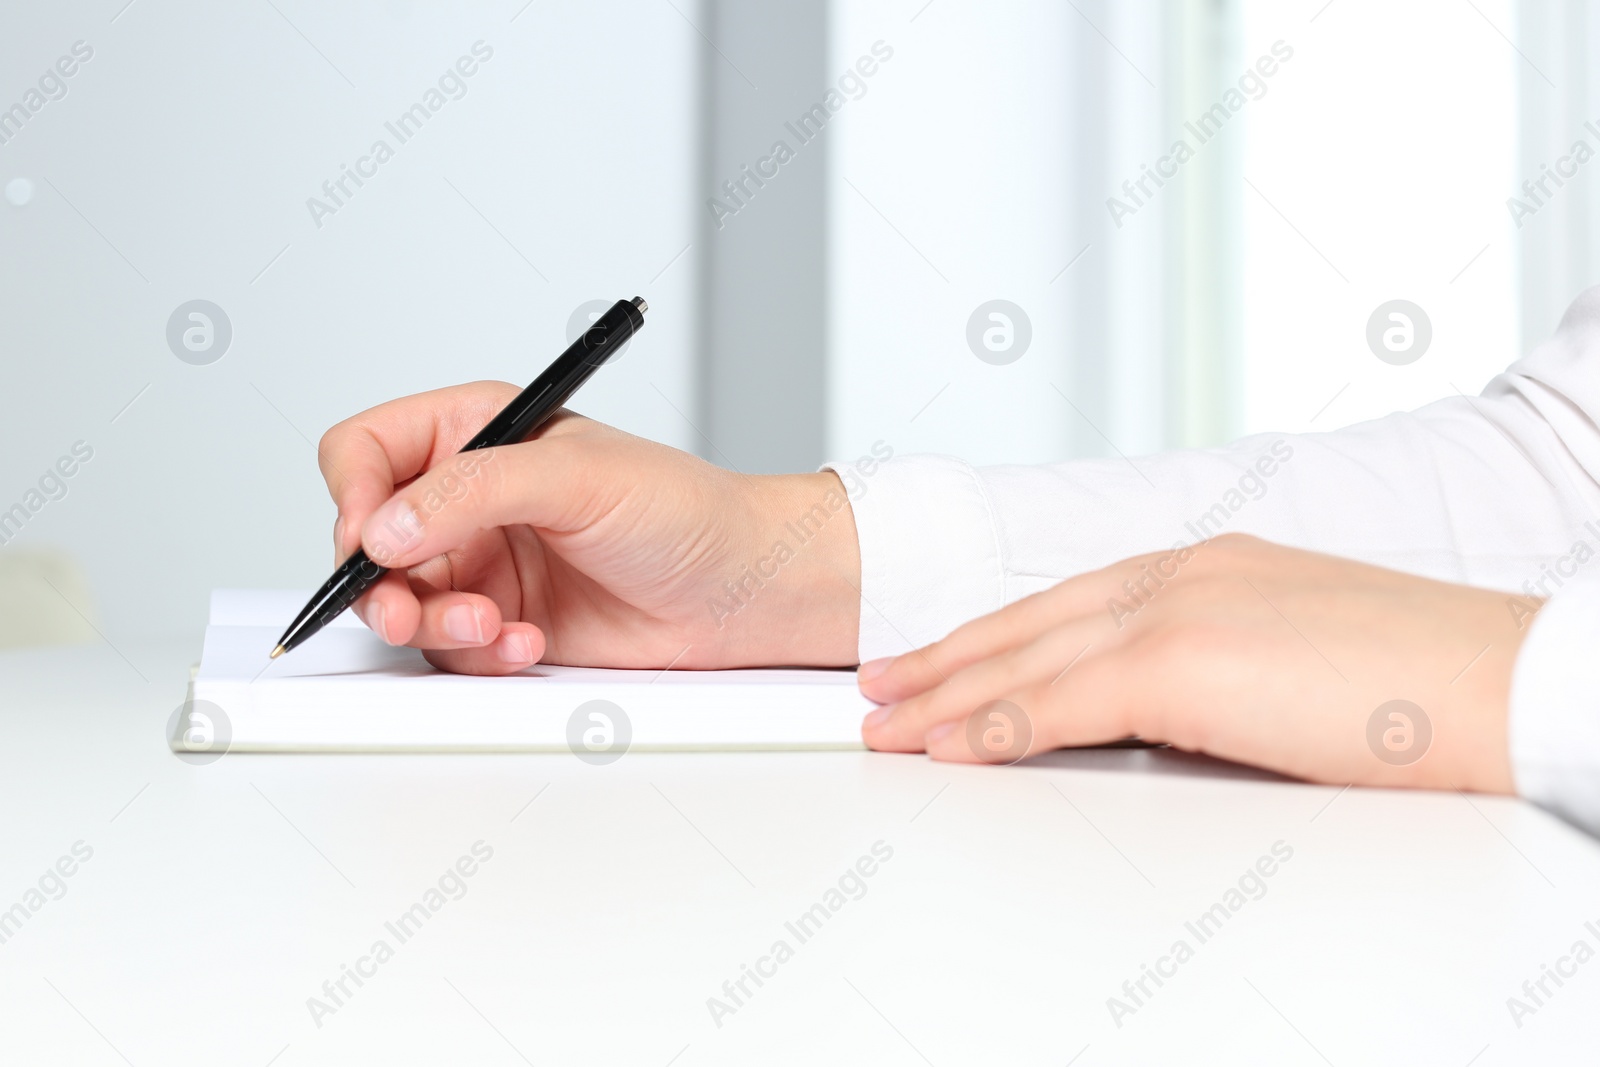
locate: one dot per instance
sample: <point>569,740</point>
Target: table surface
<point>616,902</point>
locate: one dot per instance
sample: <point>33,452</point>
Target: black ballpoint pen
<point>520,418</point>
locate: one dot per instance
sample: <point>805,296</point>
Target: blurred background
<point>936,224</point>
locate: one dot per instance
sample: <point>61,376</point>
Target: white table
<point>618,899</point>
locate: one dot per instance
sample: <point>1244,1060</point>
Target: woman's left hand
<point>1313,666</point>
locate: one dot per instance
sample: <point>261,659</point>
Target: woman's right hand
<point>585,545</point>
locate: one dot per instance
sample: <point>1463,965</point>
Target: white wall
<point>1382,158</point>
<point>191,141</point>
<point>954,182</point>
<point>1559,243</point>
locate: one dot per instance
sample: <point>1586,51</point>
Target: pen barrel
<point>348,582</point>
<point>353,578</point>
<point>541,399</point>
<point>545,395</point>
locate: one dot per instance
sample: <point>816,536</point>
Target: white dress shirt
<point>1500,491</point>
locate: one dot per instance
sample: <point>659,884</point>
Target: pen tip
<point>280,650</point>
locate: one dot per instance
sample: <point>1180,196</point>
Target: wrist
<point>800,592</point>
<point>1471,748</point>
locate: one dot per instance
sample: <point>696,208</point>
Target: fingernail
<point>517,648</point>
<point>878,716</point>
<point>873,668</point>
<point>939,732</point>
<point>338,537</point>
<point>378,620</point>
<point>391,530</point>
<point>463,623</point>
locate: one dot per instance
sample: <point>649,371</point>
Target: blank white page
<point>345,690</point>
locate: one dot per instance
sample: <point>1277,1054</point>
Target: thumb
<point>537,482</point>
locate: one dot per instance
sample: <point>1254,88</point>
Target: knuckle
<point>1231,548</point>
<point>1134,709</point>
<point>908,668</point>
<point>930,660</point>
<point>330,444</point>
<point>943,703</point>
<point>339,437</point>
<point>915,716</point>
<point>1004,670</point>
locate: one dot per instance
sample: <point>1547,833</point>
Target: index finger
<point>1118,590</point>
<point>365,458</point>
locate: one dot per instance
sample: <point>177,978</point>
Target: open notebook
<point>346,691</point>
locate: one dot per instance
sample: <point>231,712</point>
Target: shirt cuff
<point>930,550</point>
<point>1555,706</point>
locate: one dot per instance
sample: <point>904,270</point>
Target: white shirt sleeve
<point>1491,491</point>
<point>1555,705</point>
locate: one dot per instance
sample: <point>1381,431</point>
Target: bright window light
<point>1377,170</point>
